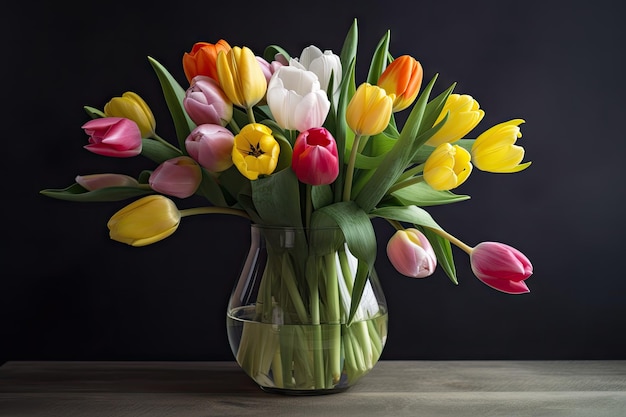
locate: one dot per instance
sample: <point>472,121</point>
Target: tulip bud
<point>145,221</point>
<point>202,59</point>
<point>113,136</point>
<point>205,102</point>
<point>315,160</point>
<point>179,177</point>
<point>132,107</point>
<point>411,253</point>
<point>212,146</point>
<point>369,111</point>
<point>464,113</point>
<point>501,267</point>
<point>447,167</point>
<point>403,77</point>
<point>255,151</point>
<point>296,100</point>
<point>323,64</point>
<point>495,151</point>
<point>97,181</point>
<point>241,77</point>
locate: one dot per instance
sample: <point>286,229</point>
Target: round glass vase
<point>287,314</point>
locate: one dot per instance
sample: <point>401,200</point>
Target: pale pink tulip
<point>211,145</point>
<point>411,253</point>
<point>97,181</point>
<point>178,177</point>
<point>205,102</point>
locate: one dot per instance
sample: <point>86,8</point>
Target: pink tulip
<point>97,181</point>
<point>411,254</point>
<point>113,136</point>
<point>501,266</point>
<point>205,102</point>
<point>315,160</point>
<point>211,145</point>
<point>178,177</point>
<point>268,68</point>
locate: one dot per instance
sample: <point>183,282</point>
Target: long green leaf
<point>379,60</point>
<point>77,193</point>
<point>360,237</point>
<point>273,198</point>
<point>349,48</point>
<point>156,151</point>
<point>407,214</point>
<point>210,189</point>
<point>174,94</point>
<point>270,52</point>
<point>443,251</point>
<point>422,194</point>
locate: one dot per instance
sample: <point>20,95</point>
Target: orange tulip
<point>202,58</point>
<point>403,77</point>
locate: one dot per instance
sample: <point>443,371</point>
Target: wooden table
<point>393,388</point>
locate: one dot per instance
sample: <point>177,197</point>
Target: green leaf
<point>360,237</point>
<point>157,151</point>
<point>443,251</point>
<point>275,199</point>
<point>407,214</point>
<point>210,189</point>
<point>77,193</point>
<point>422,194</point>
<point>349,49</point>
<point>270,52</point>
<point>174,94</point>
<point>93,112</point>
<point>321,195</point>
<point>379,60</point>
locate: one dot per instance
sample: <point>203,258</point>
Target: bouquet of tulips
<point>299,141</point>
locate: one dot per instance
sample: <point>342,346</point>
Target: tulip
<point>145,221</point>
<point>268,68</point>
<point>501,267</point>
<point>465,114</point>
<point>255,151</point>
<point>315,160</point>
<point>179,177</point>
<point>205,102</point>
<point>296,100</point>
<point>447,167</point>
<point>369,111</point>
<point>411,254</point>
<point>211,145</point>
<point>202,59</point>
<point>403,77</point>
<point>132,107</point>
<point>495,151</point>
<point>323,64</point>
<point>97,181</point>
<point>241,77</point>
<point>113,136</point>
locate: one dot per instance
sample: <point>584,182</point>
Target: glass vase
<point>287,314</point>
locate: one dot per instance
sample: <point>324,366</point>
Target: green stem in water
<point>347,187</point>
<point>308,206</point>
<point>213,210</point>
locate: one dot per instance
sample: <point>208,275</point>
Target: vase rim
<point>276,227</point>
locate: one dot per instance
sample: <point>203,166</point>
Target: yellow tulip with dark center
<point>495,150</point>
<point>241,77</point>
<point>464,113</point>
<point>145,221</point>
<point>255,151</point>
<point>447,167</point>
<point>131,106</point>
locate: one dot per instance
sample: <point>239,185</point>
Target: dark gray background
<point>68,292</point>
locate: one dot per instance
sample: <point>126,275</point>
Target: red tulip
<point>113,136</point>
<point>501,266</point>
<point>315,160</point>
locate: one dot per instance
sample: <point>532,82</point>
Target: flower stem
<point>250,113</point>
<point>213,210</point>
<point>404,183</point>
<point>466,248</point>
<point>347,187</point>
<point>164,142</point>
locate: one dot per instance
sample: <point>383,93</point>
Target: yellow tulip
<point>241,77</point>
<point>255,151</point>
<point>465,114</point>
<point>447,167</point>
<point>133,107</point>
<point>145,221</point>
<point>369,110</point>
<point>495,150</point>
